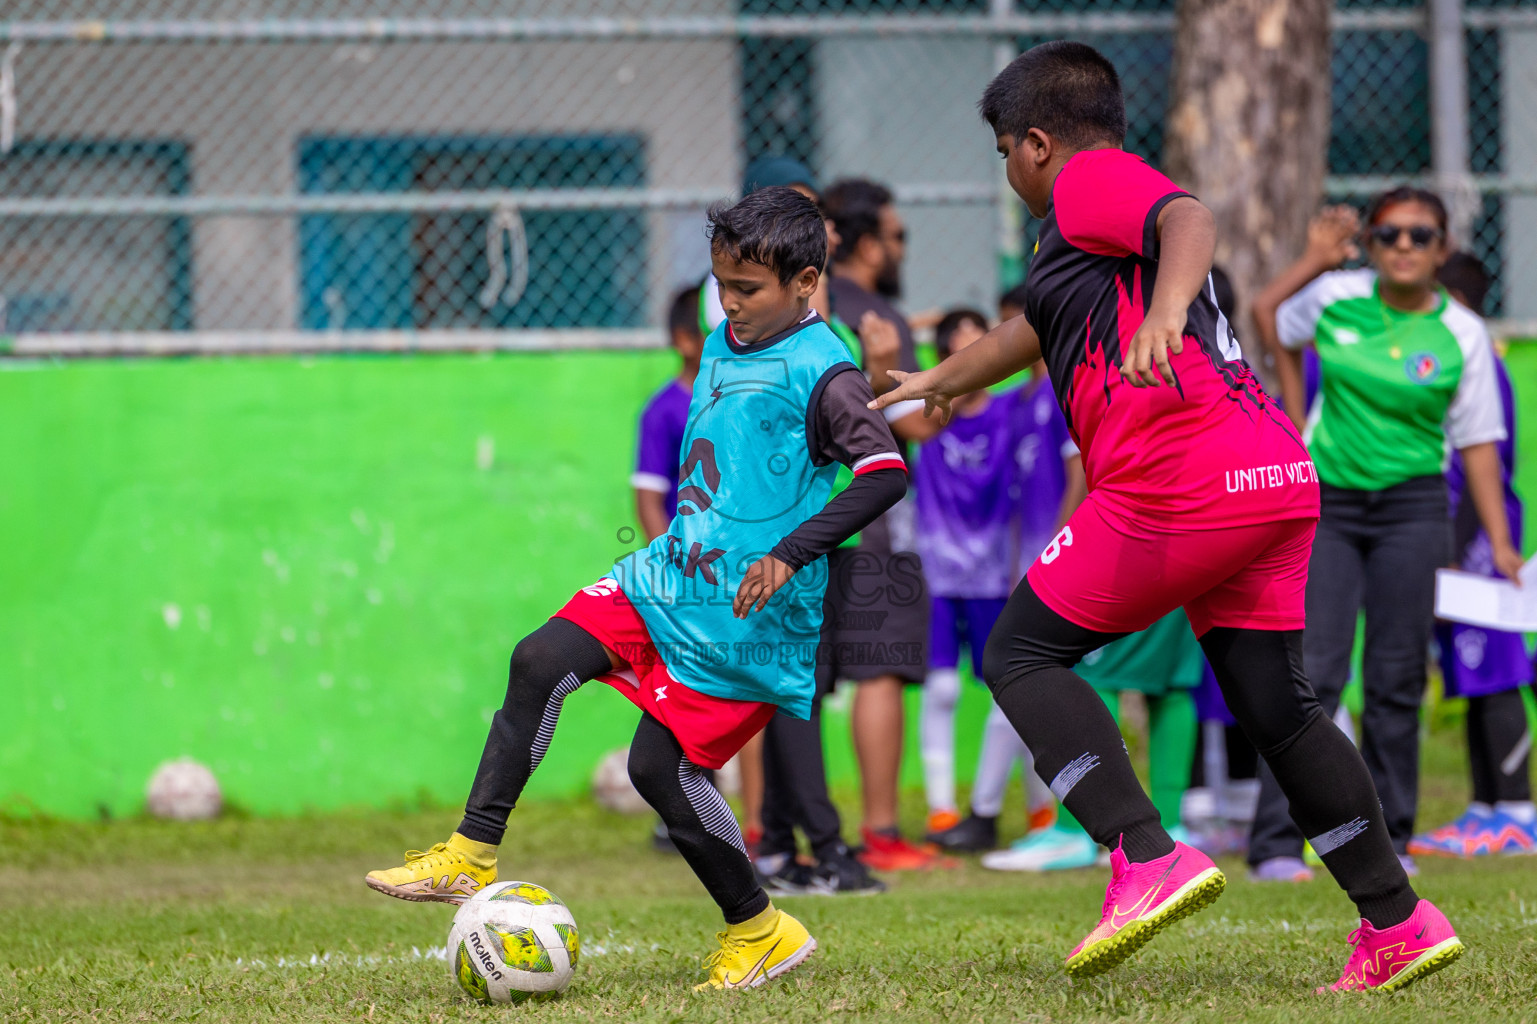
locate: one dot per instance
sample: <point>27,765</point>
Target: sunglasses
<point>1420,236</point>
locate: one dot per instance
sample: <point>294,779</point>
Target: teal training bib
<point>746,480</point>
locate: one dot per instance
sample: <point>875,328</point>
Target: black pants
<point>794,772</point>
<point>795,788</point>
<point>1499,748</point>
<point>549,665</point>
<point>1377,550</point>
<point>1080,755</point>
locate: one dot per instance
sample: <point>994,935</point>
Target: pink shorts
<point>709,729</point>
<point>1113,574</point>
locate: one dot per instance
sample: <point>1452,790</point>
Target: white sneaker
<point>1050,849</point>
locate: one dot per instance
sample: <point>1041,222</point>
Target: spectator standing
<point>877,598</point>
<point>1406,370</point>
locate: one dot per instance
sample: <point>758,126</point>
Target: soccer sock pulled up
<point>1171,739</point>
<point>547,666</point>
<point>1079,752</point>
<point>936,736</point>
<point>1001,747</point>
<point>1330,792</point>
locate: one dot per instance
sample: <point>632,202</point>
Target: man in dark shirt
<point>876,624</point>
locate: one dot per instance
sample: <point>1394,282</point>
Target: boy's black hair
<point>950,323</point>
<point>854,207</point>
<point>774,227</point>
<point>1466,275</point>
<point>1066,89</point>
<point>1407,194</point>
<point>683,314</point>
<point>1014,296</point>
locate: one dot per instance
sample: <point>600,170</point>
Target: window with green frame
<point>586,268</point>
<point>95,273</point>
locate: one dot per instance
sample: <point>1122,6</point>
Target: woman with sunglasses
<point>1405,372</point>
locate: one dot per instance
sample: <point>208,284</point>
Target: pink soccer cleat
<point>1141,901</point>
<point>1389,958</point>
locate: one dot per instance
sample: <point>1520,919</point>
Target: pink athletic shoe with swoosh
<point>1141,901</point>
<point>1386,959</point>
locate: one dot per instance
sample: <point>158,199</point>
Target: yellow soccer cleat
<point>757,951</point>
<point>450,872</point>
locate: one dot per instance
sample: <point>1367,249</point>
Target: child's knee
<point>651,772</point>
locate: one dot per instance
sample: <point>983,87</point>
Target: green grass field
<point>258,919</point>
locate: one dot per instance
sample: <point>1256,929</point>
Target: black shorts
<point>875,618</point>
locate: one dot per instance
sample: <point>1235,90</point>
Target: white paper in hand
<point>1490,603</point>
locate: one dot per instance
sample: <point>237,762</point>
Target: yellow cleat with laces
<point>757,951</point>
<point>450,872</point>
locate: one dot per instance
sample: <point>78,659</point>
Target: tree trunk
<point>1248,131</point>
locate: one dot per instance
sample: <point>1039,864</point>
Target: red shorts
<point>709,729</point>
<point>1117,575</point>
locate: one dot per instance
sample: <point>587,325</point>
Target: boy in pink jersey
<point>1201,496</point>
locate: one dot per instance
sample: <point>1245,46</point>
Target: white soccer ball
<point>184,790</point>
<point>611,785</point>
<point>513,941</point>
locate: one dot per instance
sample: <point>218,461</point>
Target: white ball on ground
<point>184,790</point>
<point>611,785</point>
<point>513,941</point>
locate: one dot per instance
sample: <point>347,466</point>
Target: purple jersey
<point>1040,453</point>
<point>1312,376</point>
<point>964,483</point>
<point>1476,662</point>
<point>979,481</point>
<point>660,446</point>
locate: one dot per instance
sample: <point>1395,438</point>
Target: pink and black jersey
<point>1214,449</point>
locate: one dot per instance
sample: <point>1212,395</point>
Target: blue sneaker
<point>1048,849</point>
<point>1479,832</point>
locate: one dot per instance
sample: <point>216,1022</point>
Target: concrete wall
<point>242,108</point>
<point>904,111</point>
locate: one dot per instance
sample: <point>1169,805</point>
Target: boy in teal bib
<point>712,628</point>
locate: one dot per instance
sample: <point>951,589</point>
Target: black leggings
<point>1500,748</point>
<point>1080,755</point>
<point>547,666</point>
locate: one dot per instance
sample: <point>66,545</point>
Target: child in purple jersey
<point>968,519</point>
<point>1487,666</point>
<point>660,443</point>
<point>964,484</point>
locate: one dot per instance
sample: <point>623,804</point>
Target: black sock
<point>1499,747</point>
<point>547,666</point>
<point>699,820</point>
<point>1332,798</point>
<point>1077,745</point>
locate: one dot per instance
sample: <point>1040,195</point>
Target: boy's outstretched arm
<point>844,430</point>
<point>1003,351</point>
<point>1187,240</point>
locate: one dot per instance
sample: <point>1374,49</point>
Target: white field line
<point>336,959</point>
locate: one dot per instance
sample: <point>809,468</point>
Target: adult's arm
<point>1331,241</point>
<point>1481,463</point>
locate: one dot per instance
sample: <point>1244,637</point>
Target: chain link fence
<point>297,174</point>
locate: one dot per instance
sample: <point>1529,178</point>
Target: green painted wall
<point>306,573</point>
<point>309,573</point>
